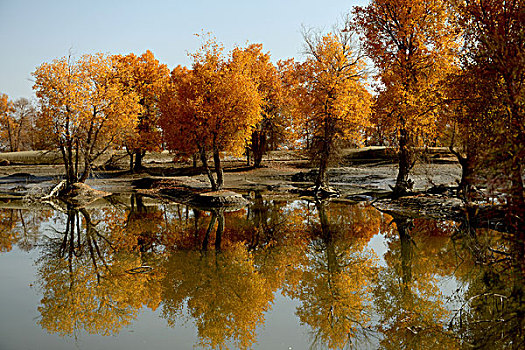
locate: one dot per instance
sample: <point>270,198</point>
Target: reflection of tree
<point>492,315</point>
<point>408,300</point>
<point>85,279</point>
<point>20,227</point>
<point>222,291</point>
<point>278,240</point>
<point>225,267</point>
<point>336,283</point>
<point>8,237</point>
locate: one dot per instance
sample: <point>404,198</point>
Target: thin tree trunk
<point>10,132</point>
<point>220,230</point>
<point>516,200</point>
<point>195,158</point>
<point>204,160</point>
<point>248,152</point>
<point>466,171</point>
<point>66,164</point>
<point>71,175</point>
<point>218,168</point>
<point>131,162</point>
<point>322,179</point>
<point>258,147</point>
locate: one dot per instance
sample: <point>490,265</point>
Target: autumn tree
<point>85,108</point>
<point>6,107</point>
<point>412,44</point>
<point>147,78</point>
<point>271,128</point>
<point>465,127</point>
<point>495,46</point>
<point>16,124</point>
<point>211,108</point>
<point>332,99</point>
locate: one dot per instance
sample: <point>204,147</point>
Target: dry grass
<point>32,157</point>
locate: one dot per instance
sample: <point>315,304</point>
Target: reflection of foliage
<point>227,291</point>
<point>20,227</point>
<point>222,291</point>
<point>278,241</point>
<point>94,279</point>
<point>336,283</point>
<point>492,313</point>
<point>84,278</point>
<point>407,295</point>
<point>7,224</point>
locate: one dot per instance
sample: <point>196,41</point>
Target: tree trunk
<point>139,155</point>
<point>220,230</point>
<point>467,170</point>
<point>195,158</point>
<point>66,165</point>
<point>403,183</point>
<point>516,200</point>
<point>218,168</point>
<point>131,162</point>
<point>10,133</point>
<point>322,179</point>
<point>258,147</point>
<point>71,173</point>
<point>204,160</point>
<point>87,168</point>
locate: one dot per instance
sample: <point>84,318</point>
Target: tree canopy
<point>212,107</point>
<point>85,107</point>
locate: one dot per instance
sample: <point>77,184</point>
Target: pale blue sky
<point>37,31</point>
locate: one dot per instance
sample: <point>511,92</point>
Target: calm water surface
<point>131,273</point>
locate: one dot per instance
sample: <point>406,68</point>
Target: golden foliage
<point>212,106</point>
<point>331,94</point>
<point>413,44</point>
<point>85,106</point>
<point>147,78</point>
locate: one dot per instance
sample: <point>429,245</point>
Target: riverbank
<point>363,172</point>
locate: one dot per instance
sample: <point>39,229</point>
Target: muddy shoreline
<point>362,176</point>
<point>281,173</point>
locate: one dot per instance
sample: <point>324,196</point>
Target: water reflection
<point>439,284</point>
<point>492,313</point>
<point>85,274</point>
<point>409,300</point>
<point>337,276</point>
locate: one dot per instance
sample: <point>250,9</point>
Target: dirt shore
<point>360,172</point>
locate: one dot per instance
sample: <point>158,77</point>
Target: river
<point>135,273</point>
